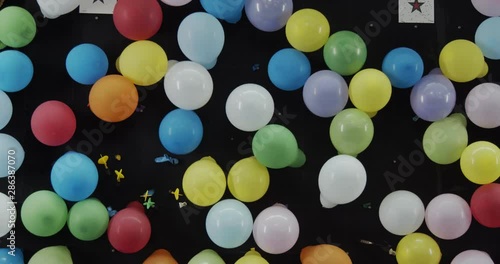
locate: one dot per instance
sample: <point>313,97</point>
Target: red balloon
<point>137,19</point>
<point>129,230</point>
<point>485,205</point>
<point>53,123</point>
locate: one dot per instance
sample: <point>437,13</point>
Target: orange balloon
<point>324,254</point>
<point>160,256</point>
<point>113,98</point>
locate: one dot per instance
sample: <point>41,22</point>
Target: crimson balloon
<point>129,230</point>
<point>485,205</point>
<point>137,20</point>
<point>53,123</point>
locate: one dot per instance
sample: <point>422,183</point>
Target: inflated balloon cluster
<point>189,86</point>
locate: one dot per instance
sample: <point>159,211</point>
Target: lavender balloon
<point>276,229</point>
<point>268,15</point>
<point>482,105</point>
<point>448,216</point>
<point>472,257</point>
<point>325,93</point>
<point>433,97</point>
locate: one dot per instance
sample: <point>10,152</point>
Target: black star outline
<point>102,1</point>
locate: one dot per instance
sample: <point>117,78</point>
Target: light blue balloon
<point>74,176</point>
<point>289,69</point>
<point>5,109</point>
<point>488,38</point>
<point>12,155</point>
<point>16,71</point>
<point>229,223</point>
<point>227,10</point>
<point>181,131</point>
<point>201,38</point>
<point>14,257</point>
<point>87,63</point>
<point>404,67</point>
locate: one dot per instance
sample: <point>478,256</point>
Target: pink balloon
<point>489,8</point>
<point>448,216</point>
<point>472,257</point>
<point>176,2</point>
<point>276,229</point>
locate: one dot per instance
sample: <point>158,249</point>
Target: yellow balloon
<point>248,180</point>
<point>370,90</point>
<point>143,62</point>
<point>480,162</point>
<point>252,257</point>
<point>461,60</point>
<point>204,182</point>
<point>307,30</point>
<point>418,248</point>
<point>485,70</point>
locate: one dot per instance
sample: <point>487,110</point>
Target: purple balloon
<point>325,93</point>
<point>268,15</point>
<point>433,97</point>
<point>472,257</point>
<point>276,229</point>
<point>436,71</point>
<point>448,216</point>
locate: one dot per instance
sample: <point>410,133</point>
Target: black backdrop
<point>136,139</point>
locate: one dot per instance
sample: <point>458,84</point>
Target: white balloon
<point>482,107</point>
<point>188,85</point>
<point>8,214</point>
<point>472,257</point>
<point>249,107</point>
<point>55,8</point>
<point>342,179</point>
<point>325,203</point>
<point>5,109</point>
<point>176,2</point>
<point>401,213</point>
<point>448,216</point>
<point>11,153</point>
<point>171,64</point>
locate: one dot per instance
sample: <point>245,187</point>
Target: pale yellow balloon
<point>461,60</point>
<point>307,30</point>
<point>485,71</point>
<point>144,62</point>
<point>204,182</point>
<point>418,248</point>
<point>248,180</point>
<point>252,257</point>
<point>370,90</point>
<point>480,162</point>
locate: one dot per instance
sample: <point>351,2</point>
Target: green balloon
<point>88,219</point>
<point>345,53</point>
<point>351,131</point>
<point>44,213</point>
<point>17,27</point>
<point>2,46</point>
<point>52,255</point>
<point>207,256</point>
<point>446,139</point>
<point>275,147</point>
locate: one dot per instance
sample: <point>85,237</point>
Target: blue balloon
<point>16,71</point>
<point>74,176</point>
<point>181,131</point>
<point>229,223</point>
<point>488,38</point>
<point>87,63</point>
<point>404,67</point>
<point>227,10</point>
<point>289,69</point>
<point>11,256</point>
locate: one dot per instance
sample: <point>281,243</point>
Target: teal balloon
<point>88,219</point>
<point>275,147</point>
<point>52,255</point>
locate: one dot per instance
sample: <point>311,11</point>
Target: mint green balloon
<point>88,219</point>
<point>446,139</point>
<point>44,213</point>
<point>17,27</point>
<point>345,53</point>
<point>52,255</point>
<point>275,147</point>
<point>207,256</point>
<point>351,131</point>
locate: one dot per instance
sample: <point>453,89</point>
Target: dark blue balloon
<point>11,256</point>
<point>227,10</point>
<point>404,67</point>
<point>181,131</point>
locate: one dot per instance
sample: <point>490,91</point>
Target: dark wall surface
<point>397,135</point>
